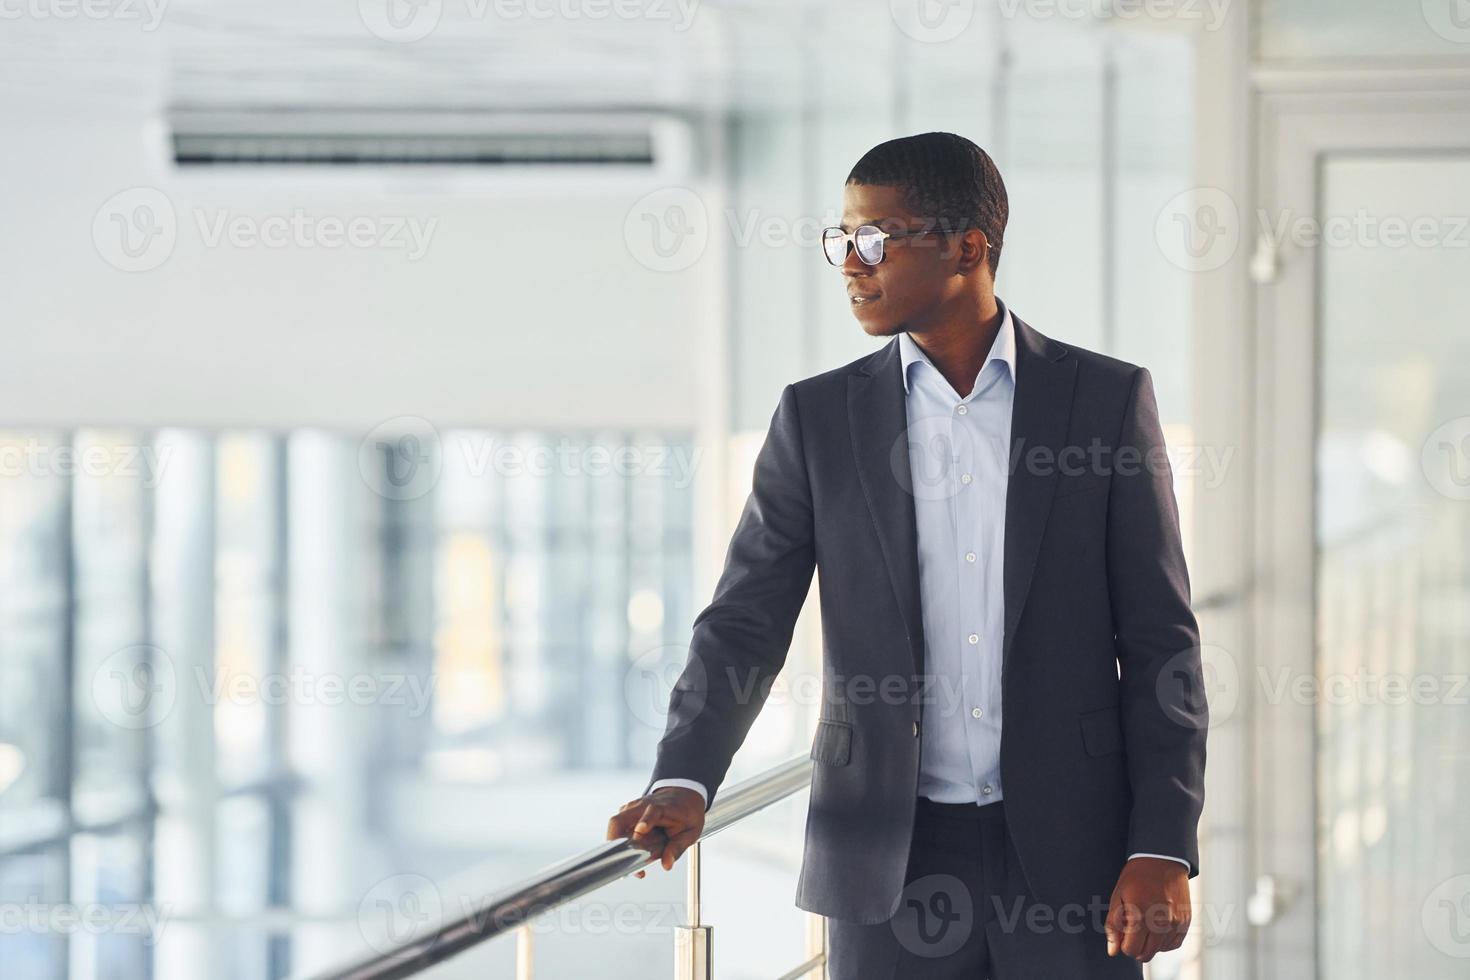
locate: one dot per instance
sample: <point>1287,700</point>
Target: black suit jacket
<point>1103,739</point>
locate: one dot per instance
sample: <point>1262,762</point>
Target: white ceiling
<point>324,53</point>
<point>700,54</point>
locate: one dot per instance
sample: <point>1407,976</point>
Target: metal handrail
<point>558,884</point>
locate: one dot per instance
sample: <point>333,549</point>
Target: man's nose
<point>854,266</point>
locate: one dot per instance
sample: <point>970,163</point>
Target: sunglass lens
<point>868,240</point>
<point>834,244</point>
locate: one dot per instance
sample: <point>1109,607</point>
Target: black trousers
<point>967,914</point>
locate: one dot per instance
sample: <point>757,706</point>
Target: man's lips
<point>856,297</point>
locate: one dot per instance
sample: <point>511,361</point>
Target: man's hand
<point>1149,910</point>
<point>664,823</point>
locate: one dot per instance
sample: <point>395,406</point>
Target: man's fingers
<point>1114,925</point>
<point>1155,931</point>
<point>651,817</point>
<point>1135,937</point>
<point>639,820</point>
<point>1165,927</point>
<point>621,825</point>
<point>1127,929</point>
<point>617,824</point>
<point>1181,932</point>
<point>1171,934</point>
<point>1144,933</point>
<point>677,845</point>
<point>1150,946</point>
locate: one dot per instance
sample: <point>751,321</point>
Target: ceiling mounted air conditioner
<point>543,143</point>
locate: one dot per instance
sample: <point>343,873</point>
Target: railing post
<point>525,952</point>
<point>693,943</point>
<point>816,942</point>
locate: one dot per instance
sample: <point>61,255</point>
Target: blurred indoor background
<point>381,383</point>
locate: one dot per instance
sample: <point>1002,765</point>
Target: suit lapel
<point>1040,410</point>
<point>877,417</point>
<point>878,422</point>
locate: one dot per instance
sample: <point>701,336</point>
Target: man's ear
<point>975,252</point>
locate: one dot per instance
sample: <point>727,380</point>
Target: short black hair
<point>946,179</point>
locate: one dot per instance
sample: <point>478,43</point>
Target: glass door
<point>1363,726</point>
<point>1392,537</point>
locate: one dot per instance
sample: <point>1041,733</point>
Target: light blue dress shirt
<point>958,449</point>
<point>958,453</point>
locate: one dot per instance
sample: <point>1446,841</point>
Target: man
<point>1009,758</point>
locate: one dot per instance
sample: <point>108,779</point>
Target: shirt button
<point>963,410</point>
<point>969,556</point>
<point>973,638</point>
<point>987,790</point>
<point>976,712</point>
<point>965,478</point>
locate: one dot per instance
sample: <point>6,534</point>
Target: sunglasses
<point>867,240</point>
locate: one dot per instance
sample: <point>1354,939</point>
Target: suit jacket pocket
<point>1101,732</point>
<point>833,744</point>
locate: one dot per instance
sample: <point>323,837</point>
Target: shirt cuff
<point>687,784</point>
<point>1166,857</point>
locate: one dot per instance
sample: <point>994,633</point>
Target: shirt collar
<point>1004,348</point>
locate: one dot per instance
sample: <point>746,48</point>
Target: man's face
<point>917,274</point>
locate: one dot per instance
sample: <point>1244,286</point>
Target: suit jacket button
<point>916,729</point>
